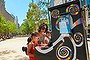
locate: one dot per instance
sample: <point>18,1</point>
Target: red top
<point>32,51</point>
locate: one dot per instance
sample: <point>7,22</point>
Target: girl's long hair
<point>29,40</point>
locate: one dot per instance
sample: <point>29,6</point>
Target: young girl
<point>33,42</point>
<point>47,37</point>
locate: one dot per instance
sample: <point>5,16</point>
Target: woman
<point>33,42</point>
<point>42,32</point>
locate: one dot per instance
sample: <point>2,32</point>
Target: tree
<point>43,5</point>
<point>24,28</point>
<point>11,27</point>
<point>34,17</point>
<point>2,24</point>
<point>33,12</point>
<point>6,26</point>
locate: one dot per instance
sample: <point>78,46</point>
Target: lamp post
<point>49,23</point>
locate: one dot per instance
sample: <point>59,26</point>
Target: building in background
<point>4,12</point>
<point>58,2</point>
<point>7,15</point>
<point>16,22</point>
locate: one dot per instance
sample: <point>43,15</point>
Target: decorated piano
<point>68,34</point>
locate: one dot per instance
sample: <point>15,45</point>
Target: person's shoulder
<point>30,43</point>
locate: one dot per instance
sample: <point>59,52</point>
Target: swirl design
<point>55,13</point>
<point>79,39</point>
<point>73,9</point>
<point>64,53</point>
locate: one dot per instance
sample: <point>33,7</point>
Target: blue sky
<point>17,8</point>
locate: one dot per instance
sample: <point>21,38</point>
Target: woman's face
<point>43,29</point>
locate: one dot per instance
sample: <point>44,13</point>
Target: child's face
<point>48,34</point>
<point>35,38</point>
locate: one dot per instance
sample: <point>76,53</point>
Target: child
<point>33,42</point>
<point>47,37</point>
<point>24,49</point>
<point>47,42</point>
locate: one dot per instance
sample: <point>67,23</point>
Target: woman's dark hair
<point>29,40</point>
<point>42,27</point>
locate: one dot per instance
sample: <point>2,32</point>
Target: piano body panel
<point>71,45</point>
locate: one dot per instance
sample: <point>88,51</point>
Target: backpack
<point>24,49</point>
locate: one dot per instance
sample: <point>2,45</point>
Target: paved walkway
<point>11,49</point>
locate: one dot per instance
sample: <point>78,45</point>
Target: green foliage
<point>43,5</point>
<point>35,16</point>
<point>27,27</point>
<point>33,12</point>
<point>2,24</point>
<point>7,26</point>
<point>11,27</point>
<point>24,28</point>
